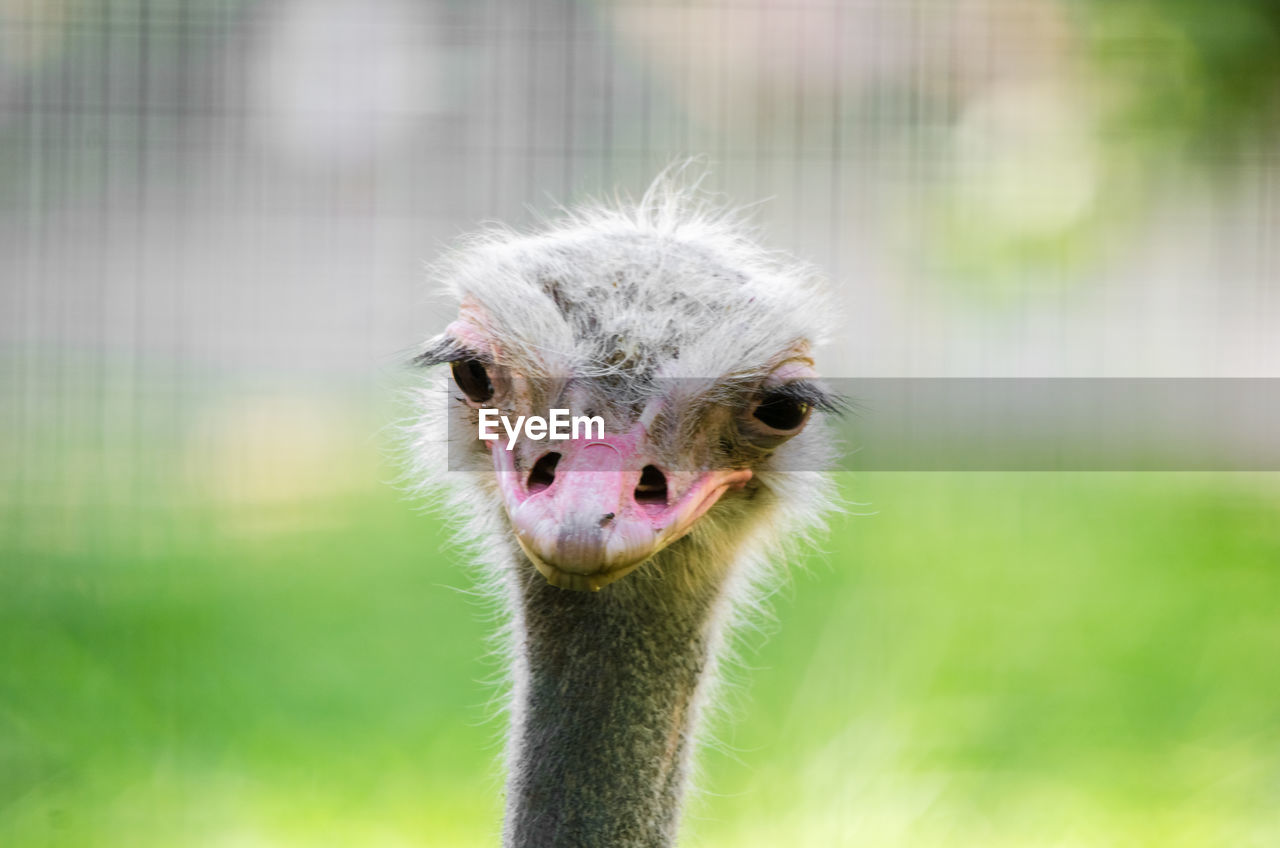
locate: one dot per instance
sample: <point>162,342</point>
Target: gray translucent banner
<point>1061,424</point>
<point>1008,424</point>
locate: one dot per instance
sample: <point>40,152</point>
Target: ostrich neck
<point>605,711</point>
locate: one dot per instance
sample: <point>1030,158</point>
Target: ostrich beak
<point>600,511</point>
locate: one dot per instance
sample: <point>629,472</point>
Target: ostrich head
<point>620,552</point>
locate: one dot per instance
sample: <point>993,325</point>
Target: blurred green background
<point>987,659</point>
<point>222,624</point>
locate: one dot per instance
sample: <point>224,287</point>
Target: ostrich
<point>623,559</point>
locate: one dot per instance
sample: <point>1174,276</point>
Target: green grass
<point>988,660</point>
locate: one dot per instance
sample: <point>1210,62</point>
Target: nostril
<point>543,473</point>
<point>652,488</point>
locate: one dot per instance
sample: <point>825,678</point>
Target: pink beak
<point>594,521</point>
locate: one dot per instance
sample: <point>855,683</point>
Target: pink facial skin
<point>587,529</point>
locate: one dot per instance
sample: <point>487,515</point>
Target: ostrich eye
<point>781,412</point>
<point>473,378</point>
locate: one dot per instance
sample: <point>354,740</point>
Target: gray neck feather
<point>605,711</point>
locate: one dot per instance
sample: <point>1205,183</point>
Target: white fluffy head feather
<point>672,289</point>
